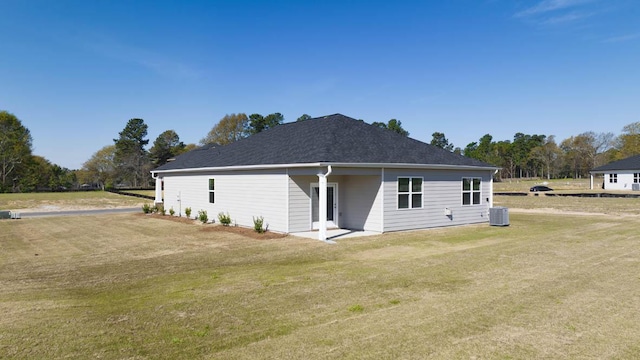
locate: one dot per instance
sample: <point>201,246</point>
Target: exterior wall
<point>243,194</point>
<point>625,180</point>
<point>300,202</point>
<point>364,202</point>
<point>359,200</point>
<point>361,203</point>
<point>441,189</point>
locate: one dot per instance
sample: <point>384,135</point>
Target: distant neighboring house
<point>620,175</point>
<point>331,171</point>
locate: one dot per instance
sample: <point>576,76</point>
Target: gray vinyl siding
<point>242,194</point>
<point>282,197</point>
<point>299,202</point>
<point>359,199</point>
<point>441,189</point>
<point>361,203</point>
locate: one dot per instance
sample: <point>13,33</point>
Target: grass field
<point>67,200</point>
<point>560,204</point>
<point>519,185</point>
<point>139,287</point>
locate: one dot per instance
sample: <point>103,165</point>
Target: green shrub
<point>172,212</point>
<point>224,219</point>
<point>356,308</point>
<point>202,216</point>
<point>155,209</point>
<point>146,208</point>
<point>187,212</point>
<point>163,211</point>
<point>258,223</point>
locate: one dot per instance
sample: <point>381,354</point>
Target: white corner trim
<point>381,193</point>
<point>288,200</point>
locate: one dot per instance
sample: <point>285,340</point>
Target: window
<point>212,192</point>
<point>636,178</point>
<point>410,193</point>
<point>471,191</point>
<point>613,178</point>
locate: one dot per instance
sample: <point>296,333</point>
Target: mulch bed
<point>170,218</point>
<point>244,232</point>
<point>215,227</point>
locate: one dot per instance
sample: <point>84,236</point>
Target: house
<point>620,175</point>
<point>331,171</point>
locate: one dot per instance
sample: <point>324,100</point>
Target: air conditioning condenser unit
<point>499,216</point>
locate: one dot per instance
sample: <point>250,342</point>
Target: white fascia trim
<point>240,167</point>
<point>322,164</point>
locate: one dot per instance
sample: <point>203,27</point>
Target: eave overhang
<point>324,164</point>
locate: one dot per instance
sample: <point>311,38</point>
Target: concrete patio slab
<point>336,234</point>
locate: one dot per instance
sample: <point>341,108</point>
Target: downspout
<point>322,204</point>
<point>158,199</point>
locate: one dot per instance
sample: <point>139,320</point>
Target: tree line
<point>127,161</point>
<point>20,170</point>
<point>540,156</point>
<point>233,127</point>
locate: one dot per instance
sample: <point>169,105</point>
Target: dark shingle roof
<point>329,139</point>
<point>630,163</point>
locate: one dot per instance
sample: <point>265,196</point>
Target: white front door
<point>332,205</point>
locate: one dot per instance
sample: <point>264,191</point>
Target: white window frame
<point>613,178</point>
<point>471,191</point>
<point>410,193</point>
<point>636,178</point>
<point>212,190</point>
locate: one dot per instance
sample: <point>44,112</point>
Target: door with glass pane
<point>332,206</point>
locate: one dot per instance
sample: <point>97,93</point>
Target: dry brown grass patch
<point>238,230</point>
<point>142,287</point>
<point>267,235</point>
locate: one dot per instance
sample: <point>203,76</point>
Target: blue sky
<point>74,72</point>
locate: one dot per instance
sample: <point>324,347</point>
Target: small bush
<point>187,212</point>
<point>155,209</point>
<point>258,224</point>
<point>146,208</point>
<point>225,219</point>
<point>172,212</point>
<point>202,216</point>
<point>163,212</point>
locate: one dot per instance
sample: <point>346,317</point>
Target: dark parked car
<point>540,188</point>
